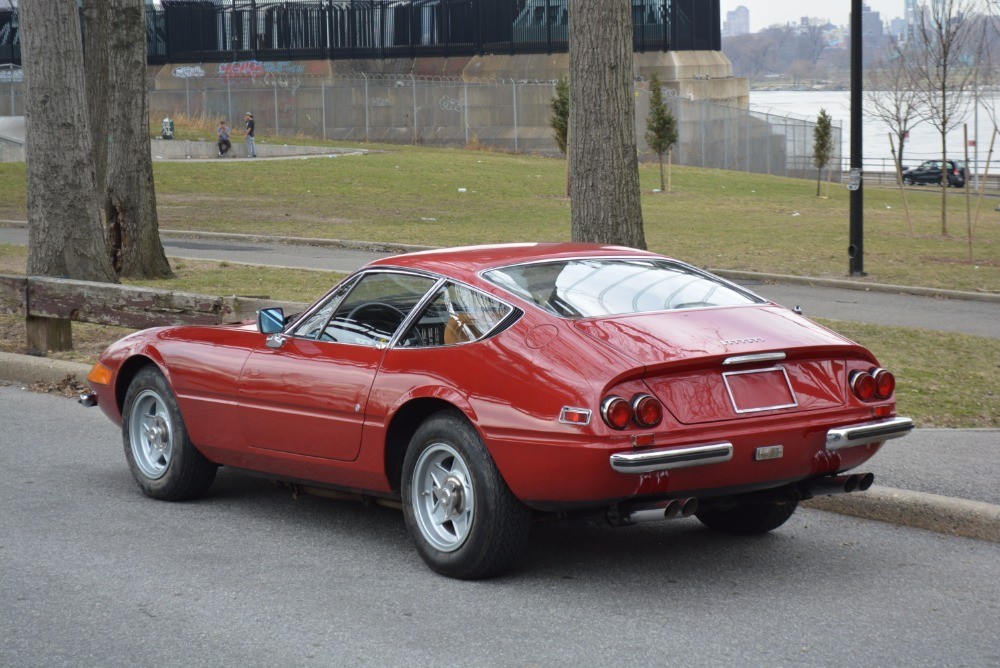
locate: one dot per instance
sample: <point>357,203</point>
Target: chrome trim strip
<point>758,357</point>
<point>671,458</point>
<point>867,432</point>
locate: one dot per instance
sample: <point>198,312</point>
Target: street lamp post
<point>856,249</point>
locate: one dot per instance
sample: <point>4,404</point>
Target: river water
<point>924,142</point>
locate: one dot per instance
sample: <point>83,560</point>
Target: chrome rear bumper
<point>867,432</point>
<point>714,453</point>
<point>671,458</point>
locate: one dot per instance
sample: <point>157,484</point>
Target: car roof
<point>464,263</point>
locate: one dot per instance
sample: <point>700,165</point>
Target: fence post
<point>703,136</point>
<point>322,97</point>
<point>187,96</point>
<point>725,145</point>
<point>514,86</point>
<point>465,94</point>
<point>767,140</point>
<point>44,334</point>
<point>746,155</point>
<point>275,108</point>
<point>229,99</point>
<point>413,82</point>
<point>367,122</point>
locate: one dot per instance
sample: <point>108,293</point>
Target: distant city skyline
<point>764,13</point>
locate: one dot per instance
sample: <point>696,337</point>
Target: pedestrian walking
<point>251,147</point>
<point>224,143</point>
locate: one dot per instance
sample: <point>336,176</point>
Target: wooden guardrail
<point>49,305</point>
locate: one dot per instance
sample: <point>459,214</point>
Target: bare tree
<point>604,167</point>
<point>65,236</point>
<point>811,42</point>
<point>758,54</point>
<point>944,41</point>
<point>133,235</point>
<point>893,95</point>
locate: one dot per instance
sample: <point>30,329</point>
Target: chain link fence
<point>510,115</point>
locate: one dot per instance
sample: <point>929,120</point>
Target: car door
<point>933,172</point>
<point>306,392</point>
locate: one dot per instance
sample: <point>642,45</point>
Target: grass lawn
<point>716,219</point>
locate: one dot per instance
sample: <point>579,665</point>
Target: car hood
<point>654,339</point>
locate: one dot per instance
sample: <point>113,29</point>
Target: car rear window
<point>587,288</point>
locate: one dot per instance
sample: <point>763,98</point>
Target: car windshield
<point>588,288</point>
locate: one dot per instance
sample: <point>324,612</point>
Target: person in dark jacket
<point>251,147</point>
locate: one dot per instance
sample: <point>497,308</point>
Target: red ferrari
<point>481,388</point>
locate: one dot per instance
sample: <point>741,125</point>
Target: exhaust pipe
<point>667,510</point>
<point>837,484</point>
<point>673,510</point>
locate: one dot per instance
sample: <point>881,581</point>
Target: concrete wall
<point>11,138</point>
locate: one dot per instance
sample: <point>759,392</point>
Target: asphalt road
<point>952,315</point>
<point>94,574</point>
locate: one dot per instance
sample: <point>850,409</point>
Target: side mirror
<point>270,320</point>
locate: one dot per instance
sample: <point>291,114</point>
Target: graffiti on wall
<point>451,104</point>
<point>252,69</point>
<point>188,72</point>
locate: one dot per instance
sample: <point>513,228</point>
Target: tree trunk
<point>819,180</point>
<point>65,236</point>
<point>606,205</point>
<point>130,199</point>
<point>95,51</point>
<point>663,184</point>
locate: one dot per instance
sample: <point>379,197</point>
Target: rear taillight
<point>863,385</point>
<point>885,383</point>
<point>643,411</point>
<point>647,410</point>
<point>617,412</point>
<point>874,385</point>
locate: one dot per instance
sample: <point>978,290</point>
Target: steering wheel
<point>377,315</point>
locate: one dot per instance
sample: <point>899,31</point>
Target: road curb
<point>920,510</point>
<point>28,369</point>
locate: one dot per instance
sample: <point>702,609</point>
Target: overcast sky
<point>764,13</point>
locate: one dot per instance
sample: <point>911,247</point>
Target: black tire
<point>748,519</point>
<point>463,519</point>
<point>162,459</point>
<point>907,181</point>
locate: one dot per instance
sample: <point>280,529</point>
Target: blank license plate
<point>760,390</point>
